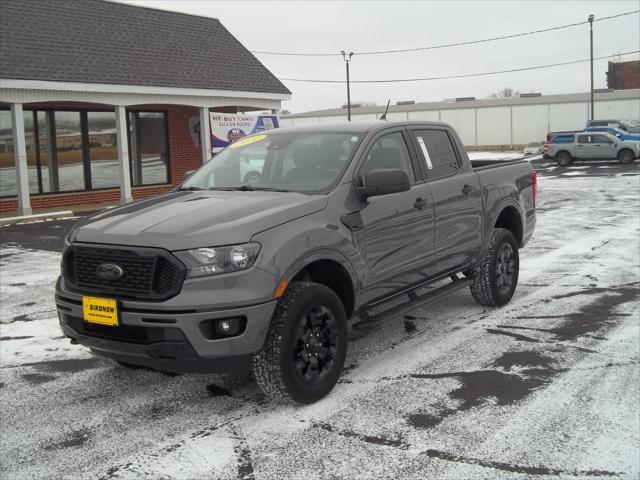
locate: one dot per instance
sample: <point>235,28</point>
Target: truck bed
<point>487,163</point>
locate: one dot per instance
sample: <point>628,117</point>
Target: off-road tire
<point>564,159</point>
<point>625,156</point>
<point>274,364</point>
<point>485,288</point>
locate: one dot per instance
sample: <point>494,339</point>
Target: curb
<point>34,218</point>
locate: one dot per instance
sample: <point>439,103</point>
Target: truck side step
<point>415,300</point>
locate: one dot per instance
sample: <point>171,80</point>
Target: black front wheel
<point>497,273</point>
<point>305,348</point>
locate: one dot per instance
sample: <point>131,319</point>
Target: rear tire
<point>626,157</point>
<point>564,159</point>
<point>305,348</point>
<point>497,273</point>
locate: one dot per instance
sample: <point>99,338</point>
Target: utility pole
<point>591,57</point>
<point>347,60</point>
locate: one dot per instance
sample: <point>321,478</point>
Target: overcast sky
<point>381,25</point>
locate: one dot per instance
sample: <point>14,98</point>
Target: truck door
<point>603,147</point>
<point>584,147</point>
<point>398,228</point>
<point>456,197</point>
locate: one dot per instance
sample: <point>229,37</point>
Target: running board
<point>414,301</point>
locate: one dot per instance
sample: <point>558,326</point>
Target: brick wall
<point>183,156</point>
<point>623,75</point>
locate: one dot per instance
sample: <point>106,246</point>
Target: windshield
<point>305,162</point>
<point>533,144</point>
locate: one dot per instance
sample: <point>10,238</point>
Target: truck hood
<point>183,220</point>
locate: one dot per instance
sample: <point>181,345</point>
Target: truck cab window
<point>583,138</point>
<point>389,151</point>
<point>437,152</point>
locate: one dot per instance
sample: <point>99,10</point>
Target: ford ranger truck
<point>344,220</point>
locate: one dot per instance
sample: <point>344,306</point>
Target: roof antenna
<point>384,115</point>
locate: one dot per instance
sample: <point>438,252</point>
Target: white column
<point>123,154</point>
<point>205,134</point>
<point>20,155</point>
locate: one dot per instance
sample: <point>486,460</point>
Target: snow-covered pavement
<point>545,387</point>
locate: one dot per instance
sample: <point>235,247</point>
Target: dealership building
<point>102,102</point>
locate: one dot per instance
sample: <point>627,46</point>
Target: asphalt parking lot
<point>546,387</point>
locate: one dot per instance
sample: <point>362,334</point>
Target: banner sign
<point>227,128</point>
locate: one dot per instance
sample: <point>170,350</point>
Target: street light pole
<point>591,59</point>
<point>347,60</point>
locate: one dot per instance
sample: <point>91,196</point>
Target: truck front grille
<point>147,273</point>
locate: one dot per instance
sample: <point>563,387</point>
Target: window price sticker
<point>425,153</point>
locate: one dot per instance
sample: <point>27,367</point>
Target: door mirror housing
<point>383,181</point>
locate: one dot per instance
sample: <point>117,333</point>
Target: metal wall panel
<point>618,109</point>
<point>494,126</point>
<point>429,115</point>
<point>464,121</point>
<point>530,123</point>
<point>568,116</point>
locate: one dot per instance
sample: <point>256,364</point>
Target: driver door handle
<point>420,203</point>
<point>468,189</point>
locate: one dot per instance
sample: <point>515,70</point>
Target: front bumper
<point>157,336</point>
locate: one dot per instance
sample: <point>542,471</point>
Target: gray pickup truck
<point>565,148</point>
<point>345,221</point>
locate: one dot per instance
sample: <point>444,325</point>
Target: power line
<point>446,45</point>
<point>423,79</point>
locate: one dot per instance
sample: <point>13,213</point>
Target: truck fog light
<point>228,327</point>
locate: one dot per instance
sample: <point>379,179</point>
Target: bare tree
<point>504,93</point>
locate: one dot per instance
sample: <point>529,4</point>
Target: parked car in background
<point>585,146</point>
<point>618,132</point>
<point>629,126</point>
<point>533,148</point>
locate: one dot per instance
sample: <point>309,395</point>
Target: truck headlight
<point>215,260</point>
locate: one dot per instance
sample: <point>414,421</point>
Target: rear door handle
<point>468,189</point>
<point>420,203</point>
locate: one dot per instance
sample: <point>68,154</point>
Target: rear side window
<point>437,152</point>
<point>583,138</point>
<point>600,139</point>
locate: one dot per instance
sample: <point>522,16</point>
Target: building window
<point>77,150</point>
<point>103,149</point>
<point>148,148</point>
<point>69,152</point>
<point>7,163</point>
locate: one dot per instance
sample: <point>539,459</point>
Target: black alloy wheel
<point>316,345</point>
<point>505,267</point>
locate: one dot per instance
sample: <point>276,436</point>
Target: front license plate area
<point>101,311</point>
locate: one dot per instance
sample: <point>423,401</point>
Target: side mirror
<point>383,181</point>
<point>618,135</point>
<point>187,174</point>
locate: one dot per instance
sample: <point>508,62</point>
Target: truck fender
<point>506,203</point>
<point>324,254</point>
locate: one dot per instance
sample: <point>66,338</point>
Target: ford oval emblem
<point>109,271</point>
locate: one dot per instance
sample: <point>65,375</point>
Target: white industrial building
<point>496,122</point>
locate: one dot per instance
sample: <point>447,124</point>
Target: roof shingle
<point>96,41</point>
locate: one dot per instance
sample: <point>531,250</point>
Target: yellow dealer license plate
<point>103,311</point>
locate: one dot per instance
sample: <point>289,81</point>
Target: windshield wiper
<point>271,189</point>
<point>189,189</point>
<point>250,188</point>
